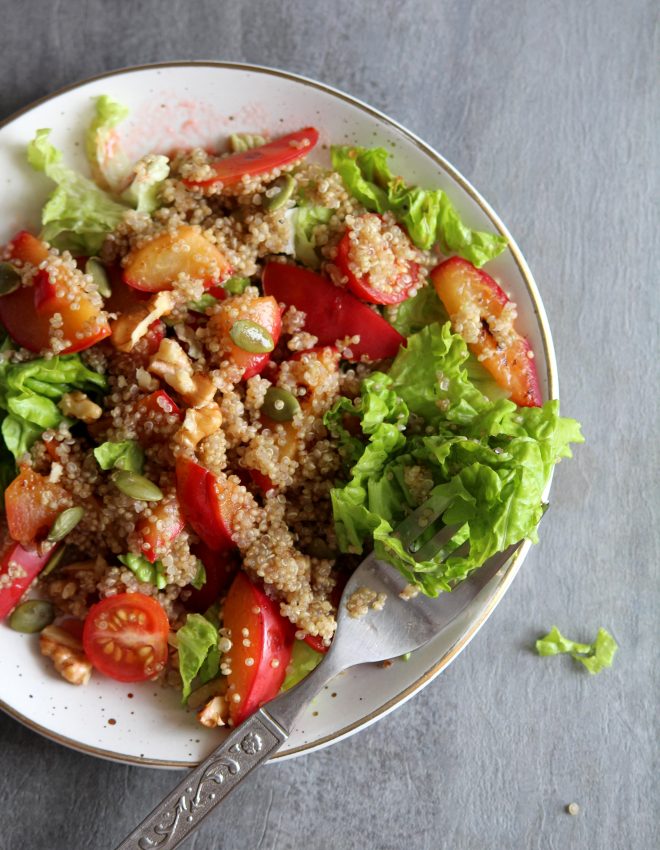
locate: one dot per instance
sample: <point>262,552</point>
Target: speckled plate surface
<point>185,104</point>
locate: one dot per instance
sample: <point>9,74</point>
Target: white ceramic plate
<point>186,104</point>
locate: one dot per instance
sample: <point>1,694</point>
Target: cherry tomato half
<point>391,291</point>
<point>125,637</point>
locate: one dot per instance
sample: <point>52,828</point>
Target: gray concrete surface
<point>551,108</point>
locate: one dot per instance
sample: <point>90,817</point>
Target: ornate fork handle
<point>194,798</point>
<point>249,744</point>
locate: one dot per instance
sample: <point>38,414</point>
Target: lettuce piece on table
<point>594,656</point>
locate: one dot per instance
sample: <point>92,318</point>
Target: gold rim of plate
<point>548,353</point>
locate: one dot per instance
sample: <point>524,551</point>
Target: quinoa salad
<point>225,377</point>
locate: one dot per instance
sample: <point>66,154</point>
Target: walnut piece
<point>134,323</point>
<point>77,404</point>
<point>66,653</point>
<point>214,713</point>
<point>198,424</point>
<point>172,364</point>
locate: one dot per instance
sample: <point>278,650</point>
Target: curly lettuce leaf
<point>196,640</point>
<point>428,433</point>
<point>594,656</point>
<point>304,659</point>
<point>430,376</point>
<point>427,214</point>
<point>30,392</point>
<point>78,215</point>
<point>109,165</point>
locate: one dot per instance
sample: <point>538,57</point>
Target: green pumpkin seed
<point>95,268</point>
<point>241,142</point>
<point>236,285</point>
<point>32,616</point>
<point>53,562</point>
<point>286,184</point>
<point>280,405</point>
<point>10,278</point>
<point>136,486</point>
<point>65,523</point>
<point>251,337</point>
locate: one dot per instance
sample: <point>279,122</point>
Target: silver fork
<point>401,626</point>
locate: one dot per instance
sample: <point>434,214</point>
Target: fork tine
<point>410,528</point>
<point>436,543</point>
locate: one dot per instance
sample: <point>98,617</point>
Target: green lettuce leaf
<point>19,435</point>
<point>425,308</point>
<point>195,640</point>
<point>36,409</point>
<point>30,391</point>
<point>211,664</point>
<point>149,174</point>
<point>455,237</point>
<point>109,166</point>
<point>594,656</point>
<point>431,377</point>
<point>427,432</point>
<point>303,660</point>
<point>200,576</point>
<point>78,215</point>
<point>305,218</point>
<point>144,570</point>
<point>415,313</point>
<point>126,454</point>
<point>427,214</point>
